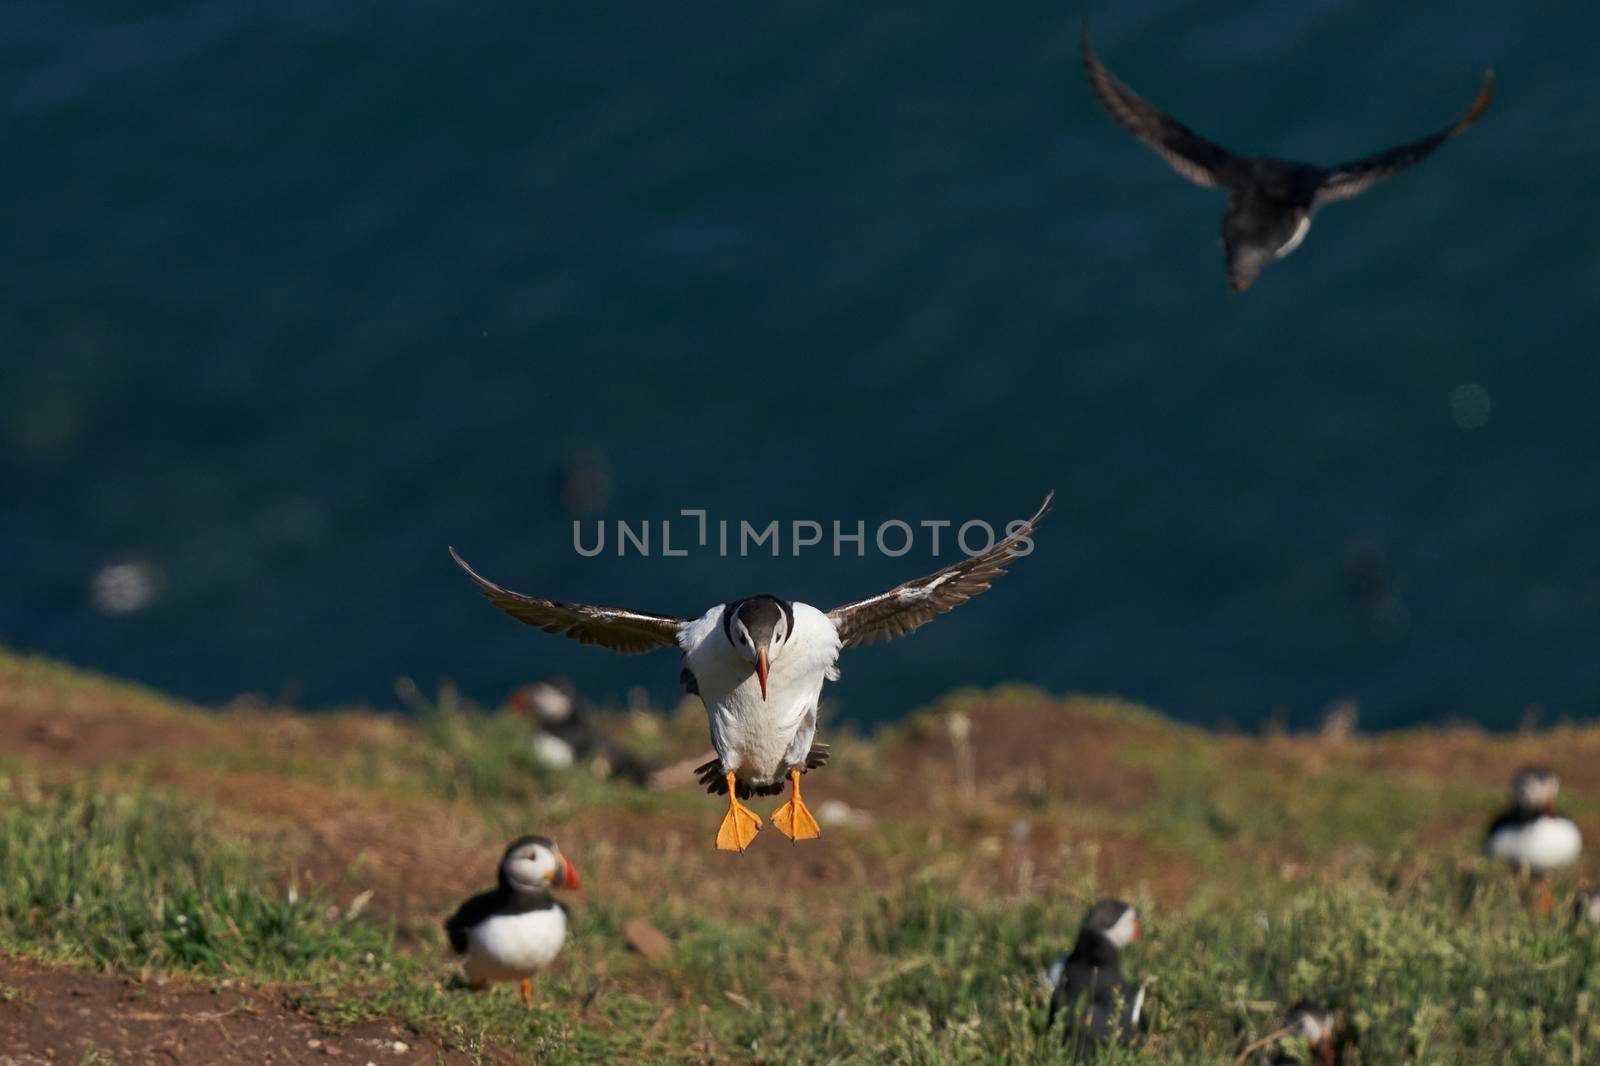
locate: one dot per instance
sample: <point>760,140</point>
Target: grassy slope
<point>315,856</point>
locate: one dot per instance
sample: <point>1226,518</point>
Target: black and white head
<point>1114,920</point>
<point>758,628</point>
<point>1314,1025</point>
<point>1535,789</point>
<point>549,703</point>
<point>533,865</point>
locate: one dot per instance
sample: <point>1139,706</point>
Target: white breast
<point>1546,843</point>
<point>509,947</point>
<point>753,737</point>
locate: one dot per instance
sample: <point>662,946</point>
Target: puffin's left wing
<point>1356,177</point>
<point>629,632</point>
<point>907,607</point>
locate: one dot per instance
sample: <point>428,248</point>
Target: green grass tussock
<point>141,880</point>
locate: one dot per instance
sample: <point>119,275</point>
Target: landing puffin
<point>1096,1002</point>
<point>517,928</point>
<point>758,665</point>
<point>1270,201</point>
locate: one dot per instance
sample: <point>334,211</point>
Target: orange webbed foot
<point>740,825</point>
<point>793,819</point>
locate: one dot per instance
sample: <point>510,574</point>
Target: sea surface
<point>295,295</point>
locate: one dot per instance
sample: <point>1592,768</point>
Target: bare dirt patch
<point>32,730</point>
<point>52,1015</point>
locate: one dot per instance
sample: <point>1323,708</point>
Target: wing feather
<point>475,910</point>
<point>907,607</point>
<point>1185,151</point>
<point>1356,177</point>
<point>629,632</point>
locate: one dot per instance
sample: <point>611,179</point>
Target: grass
<point>138,880</point>
<point>316,855</point>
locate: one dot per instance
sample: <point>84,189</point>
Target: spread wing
<point>1354,178</point>
<point>629,632</point>
<point>1185,151</point>
<point>907,607</point>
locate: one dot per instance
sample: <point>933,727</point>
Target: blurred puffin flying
<point>759,664</point>
<point>517,928</point>
<point>1270,201</point>
<point>1531,835</point>
<point>1096,1002</point>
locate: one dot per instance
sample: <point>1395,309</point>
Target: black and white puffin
<point>1270,201</point>
<point>1091,994</point>
<point>565,734</point>
<point>517,928</point>
<point>1316,1026</point>
<point>759,664</point>
<point>1531,835</point>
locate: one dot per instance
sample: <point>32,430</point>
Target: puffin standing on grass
<point>1531,835</point>
<point>759,664</point>
<point>1097,1002</point>
<point>1270,201</point>
<point>516,929</point>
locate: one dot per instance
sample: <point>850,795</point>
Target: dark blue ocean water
<point>297,294</point>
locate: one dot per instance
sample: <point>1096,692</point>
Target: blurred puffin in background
<point>564,732</point>
<point>1586,907</point>
<point>516,929</point>
<point>1312,1024</point>
<point>1531,836</point>
<point>1096,1002</point>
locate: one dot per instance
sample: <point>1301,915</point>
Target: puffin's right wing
<point>907,607</point>
<point>1356,177</point>
<point>1185,151</point>
<point>629,632</point>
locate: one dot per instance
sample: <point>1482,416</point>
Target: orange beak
<point>1138,930</point>
<point>761,668</point>
<point>569,875</point>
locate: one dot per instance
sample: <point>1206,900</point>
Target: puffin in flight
<point>1270,201</point>
<point>517,928</point>
<point>759,663</point>
<point>1098,1002</point>
<point>1531,835</point>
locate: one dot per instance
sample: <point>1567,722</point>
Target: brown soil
<point>51,1016</point>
